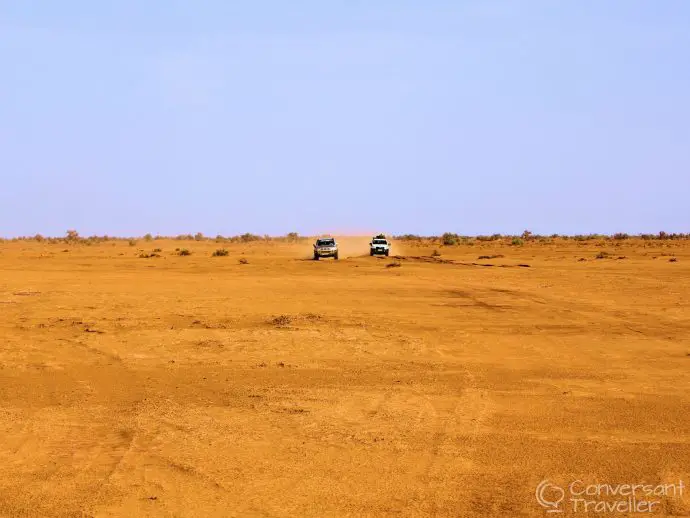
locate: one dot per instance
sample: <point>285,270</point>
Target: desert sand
<point>370,386</point>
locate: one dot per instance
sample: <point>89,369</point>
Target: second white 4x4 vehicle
<point>379,245</point>
<point>325,247</point>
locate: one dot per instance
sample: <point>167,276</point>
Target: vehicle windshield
<point>325,242</point>
<point>380,241</point>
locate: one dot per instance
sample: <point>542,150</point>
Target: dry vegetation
<point>242,378</point>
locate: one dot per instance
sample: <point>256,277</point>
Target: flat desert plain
<point>442,386</point>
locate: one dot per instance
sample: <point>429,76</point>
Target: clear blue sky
<point>471,116</point>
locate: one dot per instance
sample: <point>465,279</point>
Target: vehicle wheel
<point>371,252</point>
<point>316,257</point>
<point>386,253</point>
<point>335,256</point>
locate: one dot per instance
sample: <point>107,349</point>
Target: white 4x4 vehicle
<point>325,247</point>
<point>379,245</point>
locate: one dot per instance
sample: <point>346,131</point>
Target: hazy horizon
<point>472,117</point>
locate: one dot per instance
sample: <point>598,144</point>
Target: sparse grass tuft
<point>221,252</point>
<point>132,242</point>
<point>435,253</point>
<point>602,255</point>
<point>394,265</point>
<point>517,241</point>
<point>243,261</point>
<point>184,252</point>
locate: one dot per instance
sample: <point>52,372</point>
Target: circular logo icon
<point>550,496</point>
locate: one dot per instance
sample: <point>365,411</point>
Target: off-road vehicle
<point>379,245</point>
<point>325,247</point>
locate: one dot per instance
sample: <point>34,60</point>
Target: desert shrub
<point>148,237</point>
<point>602,255</point>
<point>39,238</point>
<point>435,253</point>
<point>517,241</point>
<point>184,252</point>
<point>220,239</point>
<point>526,235</point>
<point>663,235</point>
<point>292,236</point>
<point>620,236</point>
<point>198,236</point>
<point>408,237</point>
<point>132,242</point>
<point>72,235</point>
<point>221,252</point>
<point>673,260</point>
<point>157,250</point>
<point>281,320</point>
<point>449,239</point>
<point>394,265</point>
<point>247,237</point>
<point>243,261</point>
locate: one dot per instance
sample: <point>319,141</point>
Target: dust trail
<point>353,246</point>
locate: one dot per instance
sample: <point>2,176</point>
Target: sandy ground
<point>199,386</point>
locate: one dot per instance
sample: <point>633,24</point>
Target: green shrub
<point>184,252</point>
<point>517,241</point>
<point>449,239</point>
<point>221,252</point>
